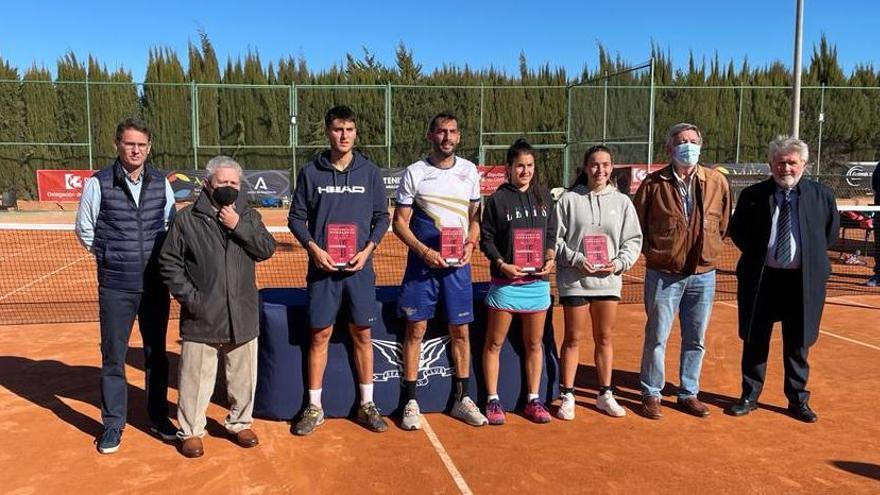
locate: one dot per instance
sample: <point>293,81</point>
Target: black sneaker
<point>369,416</point>
<point>164,429</point>
<point>109,440</point>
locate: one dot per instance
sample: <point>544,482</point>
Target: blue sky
<point>476,33</point>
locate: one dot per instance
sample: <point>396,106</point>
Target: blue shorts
<point>532,297</point>
<point>327,291</point>
<point>423,287</point>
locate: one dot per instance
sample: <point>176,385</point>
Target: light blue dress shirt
<point>795,260</point>
<point>90,206</point>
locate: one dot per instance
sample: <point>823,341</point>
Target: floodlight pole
<point>796,70</point>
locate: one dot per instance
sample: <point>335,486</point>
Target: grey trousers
<point>198,371</point>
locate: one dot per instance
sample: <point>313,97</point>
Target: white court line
<point>846,339</point>
<point>447,461</point>
<point>44,277</point>
<point>839,299</point>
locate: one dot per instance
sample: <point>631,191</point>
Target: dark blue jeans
<point>118,310</point>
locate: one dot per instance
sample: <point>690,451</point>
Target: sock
<point>531,397</point>
<point>366,393</point>
<point>409,390</point>
<point>602,390</point>
<point>315,397</point>
<point>566,390</point>
<point>460,387</point>
<point>493,397</point>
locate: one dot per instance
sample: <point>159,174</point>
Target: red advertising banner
<point>491,178</point>
<point>61,185</point>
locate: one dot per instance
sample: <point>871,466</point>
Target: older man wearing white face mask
<point>783,226</point>
<point>683,210</point>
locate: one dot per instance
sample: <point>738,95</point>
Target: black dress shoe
<point>802,412</point>
<point>742,407</point>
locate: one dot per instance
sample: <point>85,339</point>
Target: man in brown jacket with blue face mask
<point>684,210</point>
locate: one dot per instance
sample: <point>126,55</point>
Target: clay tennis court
<point>50,405</point>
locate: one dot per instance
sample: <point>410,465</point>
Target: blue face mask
<point>686,154</point>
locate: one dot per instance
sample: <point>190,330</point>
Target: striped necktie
<point>783,231</point>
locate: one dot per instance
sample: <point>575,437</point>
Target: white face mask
<point>686,154</point>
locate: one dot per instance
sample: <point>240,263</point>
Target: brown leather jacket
<point>672,243</point>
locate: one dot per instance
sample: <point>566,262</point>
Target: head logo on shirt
<point>342,190</point>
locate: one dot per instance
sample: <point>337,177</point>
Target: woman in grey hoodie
<point>598,238</point>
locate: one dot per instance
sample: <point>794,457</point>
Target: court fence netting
<point>46,276</point>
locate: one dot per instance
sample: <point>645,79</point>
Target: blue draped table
<point>283,352</point>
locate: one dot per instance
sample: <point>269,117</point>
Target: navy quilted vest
<point>128,237</point>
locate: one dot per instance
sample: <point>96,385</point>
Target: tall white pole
<point>796,70</point>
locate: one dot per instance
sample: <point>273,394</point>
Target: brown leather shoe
<point>693,406</point>
<point>247,438</point>
<point>651,407</point>
<point>192,448</point>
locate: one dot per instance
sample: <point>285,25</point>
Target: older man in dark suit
<point>783,226</point>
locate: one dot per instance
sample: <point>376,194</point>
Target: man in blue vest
<point>122,219</point>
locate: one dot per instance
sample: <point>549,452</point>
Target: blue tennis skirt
<point>520,298</point>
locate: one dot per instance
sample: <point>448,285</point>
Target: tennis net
<point>48,277</point>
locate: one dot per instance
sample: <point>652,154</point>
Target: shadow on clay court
<point>628,392</point>
<point>45,382</point>
<point>865,469</point>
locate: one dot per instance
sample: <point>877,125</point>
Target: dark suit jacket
<point>819,225</point>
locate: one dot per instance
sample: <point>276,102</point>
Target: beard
<point>443,152</point>
<point>786,181</point>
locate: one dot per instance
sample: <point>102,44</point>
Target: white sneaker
<point>606,403</point>
<point>412,417</point>
<point>566,407</point>
<point>467,411</point>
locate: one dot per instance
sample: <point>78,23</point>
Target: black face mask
<point>224,196</point>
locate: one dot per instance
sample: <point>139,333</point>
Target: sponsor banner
<point>264,187</point>
<point>391,177</point>
<point>491,178</point>
<point>858,175</point>
<point>61,185</point>
<point>629,176</point>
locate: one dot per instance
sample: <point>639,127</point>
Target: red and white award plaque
<point>596,249</point>
<point>528,247</point>
<point>452,245</point>
<point>341,243</point>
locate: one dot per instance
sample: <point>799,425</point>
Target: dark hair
<point>441,117</point>
<point>132,123</point>
<point>522,147</point>
<point>582,178</point>
<point>340,112</point>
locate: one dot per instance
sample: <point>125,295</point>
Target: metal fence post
<point>821,121</point>
<point>481,152</point>
<point>194,117</point>
<point>89,122</point>
<point>388,129</point>
<point>739,115</point>
<point>651,120</point>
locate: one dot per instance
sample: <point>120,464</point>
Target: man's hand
<point>228,217</point>
<point>468,252</point>
<point>433,259</point>
<point>321,258</point>
<point>359,260</point>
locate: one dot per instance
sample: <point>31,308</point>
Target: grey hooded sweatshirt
<point>580,212</point>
